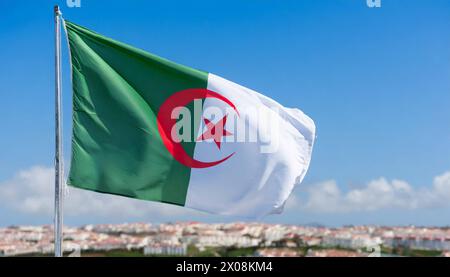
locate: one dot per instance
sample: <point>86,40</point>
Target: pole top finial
<point>57,10</point>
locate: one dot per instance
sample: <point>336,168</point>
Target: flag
<point>148,128</point>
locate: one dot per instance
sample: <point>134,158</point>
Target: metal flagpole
<point>59,185</point>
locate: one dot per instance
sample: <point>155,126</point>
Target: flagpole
<point>59,187</point>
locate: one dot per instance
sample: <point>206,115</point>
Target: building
<point>166,249</point>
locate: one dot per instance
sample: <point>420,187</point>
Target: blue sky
<point>375,81</point>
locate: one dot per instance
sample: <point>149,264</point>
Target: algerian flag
<point>148,128</point>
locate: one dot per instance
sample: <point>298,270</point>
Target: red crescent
<point>165,123</point>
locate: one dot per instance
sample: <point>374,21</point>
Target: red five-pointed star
<point>215,131</point>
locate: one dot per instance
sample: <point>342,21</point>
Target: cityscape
<point>227,240</point>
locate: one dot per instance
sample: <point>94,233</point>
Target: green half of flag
<point>117,91</point>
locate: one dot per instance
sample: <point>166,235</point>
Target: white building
<point>166,249</point>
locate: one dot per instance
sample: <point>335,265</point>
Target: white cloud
<point>292,203</point>
<point>31,191</point>
<point>327,197</point>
